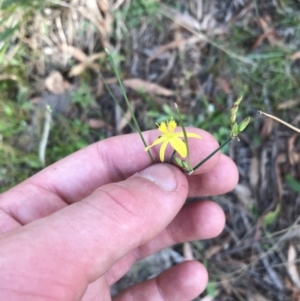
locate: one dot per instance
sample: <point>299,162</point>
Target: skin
<point>76,227</point>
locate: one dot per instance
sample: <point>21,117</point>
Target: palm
<point>84,245</point>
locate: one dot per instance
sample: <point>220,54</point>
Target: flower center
<point>172,126</point>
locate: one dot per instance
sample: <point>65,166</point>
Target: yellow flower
<point>169,136</point>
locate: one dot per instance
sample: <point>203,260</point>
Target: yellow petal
<point>193,135</point>
<point>179,146</point>
<point>189,135</point>
<point>159,140</point>
<point>162,151</point>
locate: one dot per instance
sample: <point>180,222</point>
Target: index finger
<point>78,175</point>
<point>111,160</point>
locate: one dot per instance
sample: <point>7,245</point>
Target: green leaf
<point>8,32</point>
<point>293,183</point>
<point>271,216</point>
<point>211,289</point>
<point>168,110</point>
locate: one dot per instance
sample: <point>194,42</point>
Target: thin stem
<point>185,136</point>
<point>115,99</point>
<point>280,120</point>
<point>127,101</point>
<point>213,153</point>
<point>173,154</point>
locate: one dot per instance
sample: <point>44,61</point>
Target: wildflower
<point>169,136</point>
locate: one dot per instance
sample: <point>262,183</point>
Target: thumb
<point>86,238</point>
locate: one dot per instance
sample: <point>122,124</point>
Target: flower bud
<point>234,109</point>
<point>178,161</point>
<point>232,118</point>
<point>234,130</point>
<point>182,164</point>
<point>238,101</point>
<point>244,124</point>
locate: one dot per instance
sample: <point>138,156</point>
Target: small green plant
<point>137,11</point>
<point>17,158</point>
<point>83,96</point>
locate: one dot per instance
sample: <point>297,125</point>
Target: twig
<point>279,120</point>
<point>45,135</point>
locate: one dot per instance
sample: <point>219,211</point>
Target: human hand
<point>76,227</point>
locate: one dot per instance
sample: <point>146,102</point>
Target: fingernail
<point>162,175</point>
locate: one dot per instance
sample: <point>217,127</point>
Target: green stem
<point>185,136</point>
<point>171,158</point>
<point>213,153</point>
<point>127,101</point>
<point>115,99</point>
